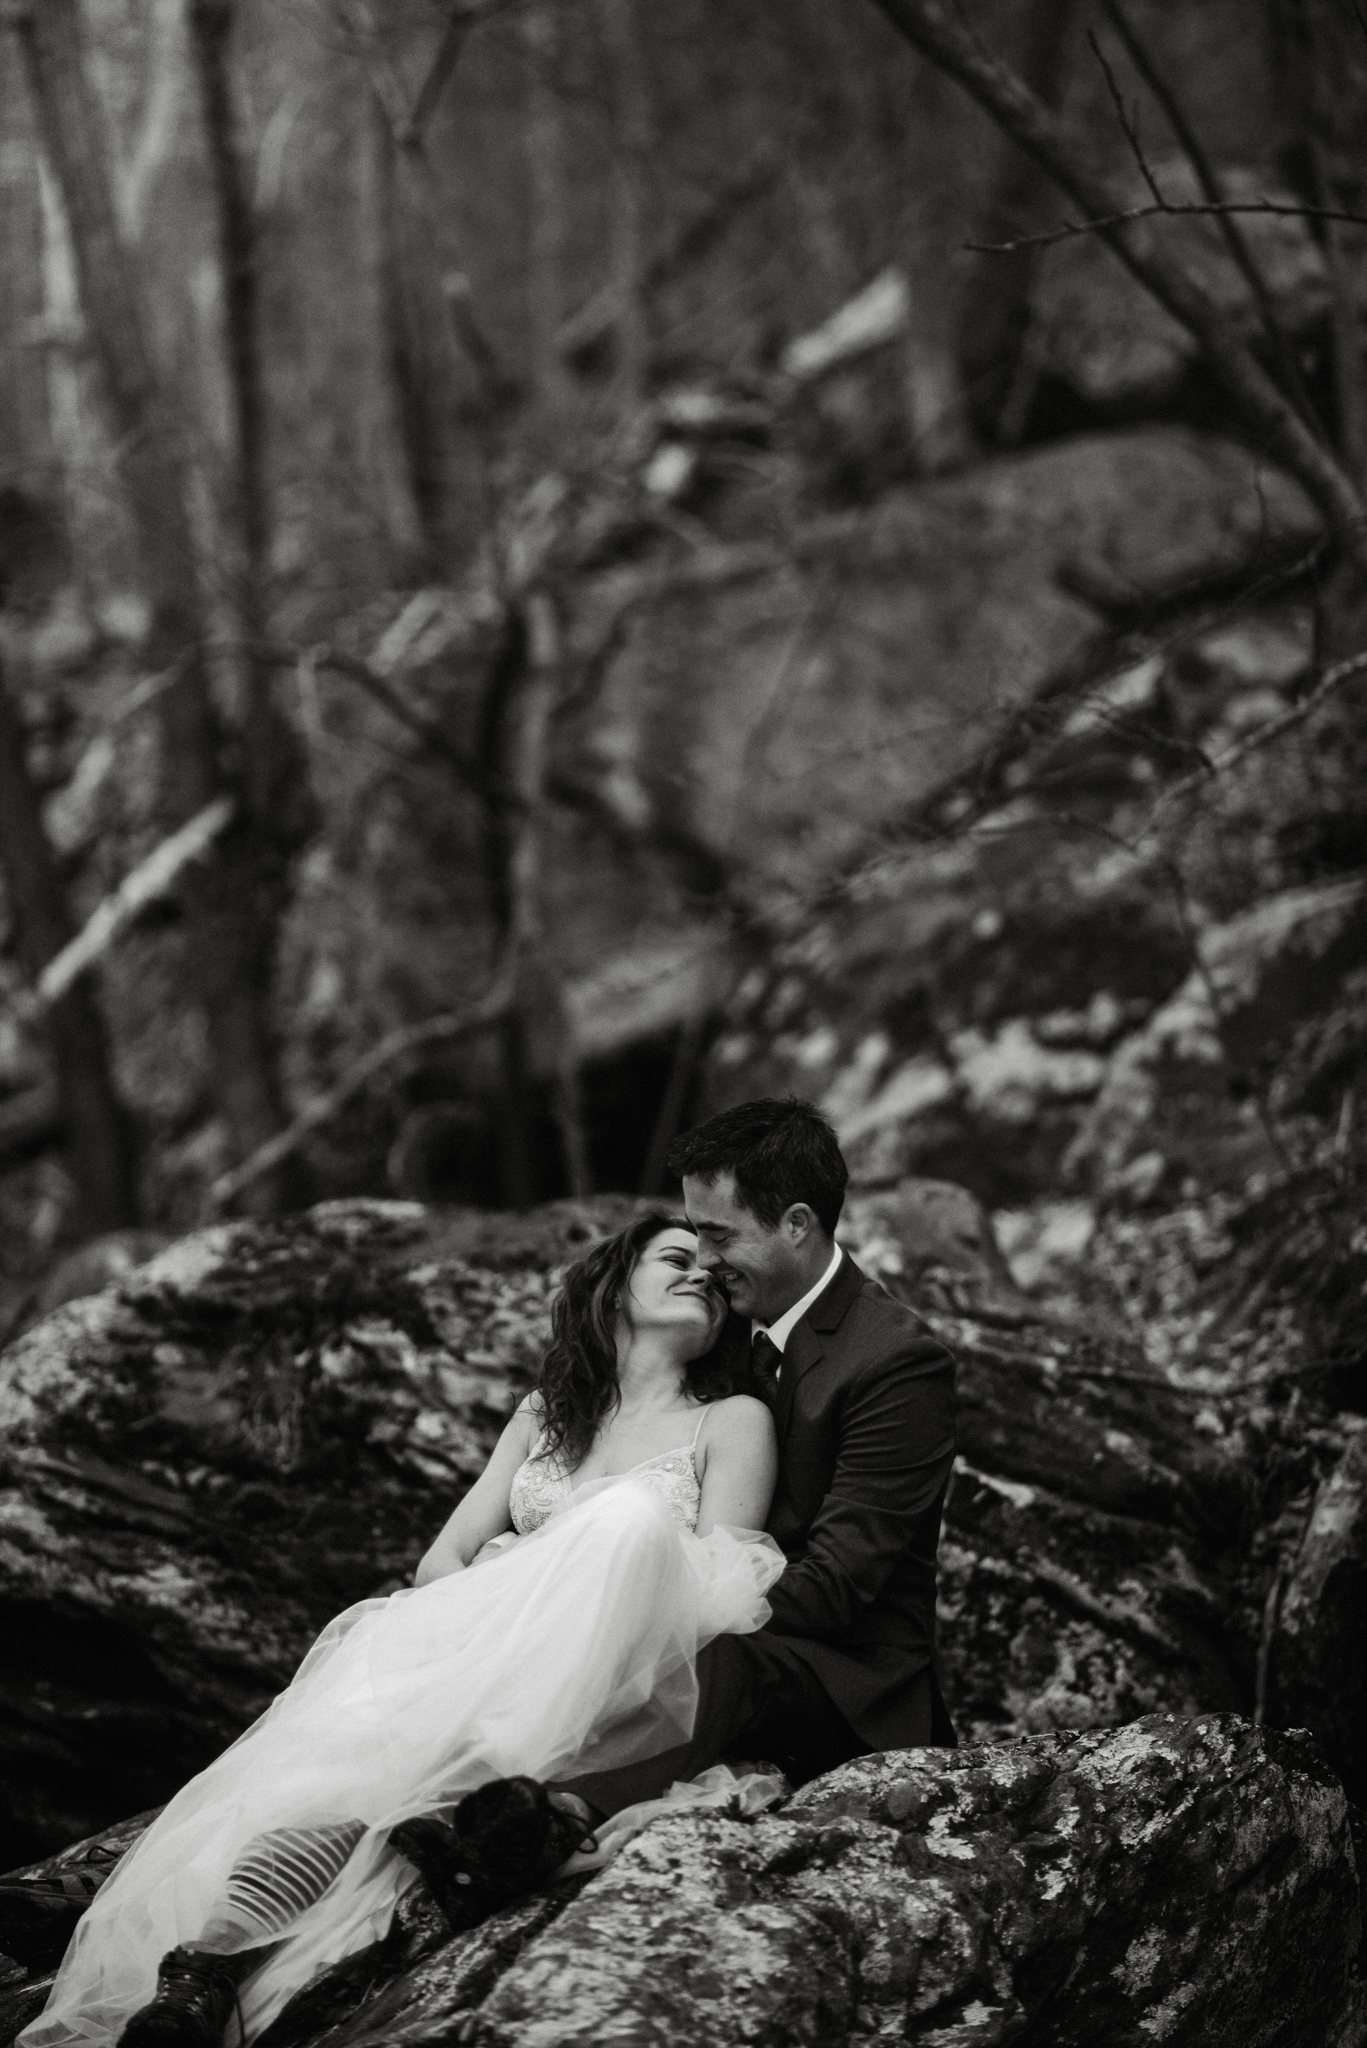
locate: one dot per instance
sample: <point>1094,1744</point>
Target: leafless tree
<point>96,1129</point>
<point>232,900</point>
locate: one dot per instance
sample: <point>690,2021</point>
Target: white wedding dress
<point>571,1649</point>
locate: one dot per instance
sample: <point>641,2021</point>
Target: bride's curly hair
<point>577,1388</point>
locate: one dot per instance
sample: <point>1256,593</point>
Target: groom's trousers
<point>759,1700</point>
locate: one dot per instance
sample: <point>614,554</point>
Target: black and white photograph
<point>683,1023</point>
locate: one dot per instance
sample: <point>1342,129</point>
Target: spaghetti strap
<point>698,1431</point>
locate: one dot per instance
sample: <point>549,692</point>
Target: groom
<point>863,1399</point>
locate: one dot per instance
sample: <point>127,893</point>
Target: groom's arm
<point>896,1449</point>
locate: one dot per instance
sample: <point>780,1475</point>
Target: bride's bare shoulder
<point>739,1417</point>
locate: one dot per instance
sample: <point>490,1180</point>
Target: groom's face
<point>757,1267</point>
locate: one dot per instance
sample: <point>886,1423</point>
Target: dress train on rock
<point>571,1650</point>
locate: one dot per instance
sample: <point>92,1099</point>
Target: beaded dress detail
<point>541,1485</point>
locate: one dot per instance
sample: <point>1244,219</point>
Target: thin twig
<point>458,26</point>
<point>1333,679</point>
<point>359,670</point>
<point>1105,222</point>
<point>1129,127</point>
<point>1238,246</point>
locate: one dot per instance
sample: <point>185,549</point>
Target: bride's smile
<point>669,1291</point>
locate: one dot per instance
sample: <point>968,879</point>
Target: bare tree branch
<point>934,28</point>
<point>514,799</point>
<point>1070,229</point>
<point>459,23</point>
<point>1235,240</point>
<point>1127,122</point>
<point>685,245</point>
<point>151,878</point>
<point>1332,680</point>
<point>395,1046</point>
<point>359,670</point>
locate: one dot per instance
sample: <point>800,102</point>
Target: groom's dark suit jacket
<point>865,1413</point>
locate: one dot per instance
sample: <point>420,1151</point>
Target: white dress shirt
<point>781,1329</point>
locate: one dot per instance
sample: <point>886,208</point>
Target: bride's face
<point>668,1290</point>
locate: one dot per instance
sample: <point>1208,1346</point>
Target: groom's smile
<point>762,1270</point>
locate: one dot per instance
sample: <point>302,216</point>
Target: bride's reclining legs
<point>278,1876</point>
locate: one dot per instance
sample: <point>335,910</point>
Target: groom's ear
<point>799,1221</point>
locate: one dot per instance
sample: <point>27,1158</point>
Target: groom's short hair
<point>779,1153</point>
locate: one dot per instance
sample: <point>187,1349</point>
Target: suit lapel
<point>805,1347</point>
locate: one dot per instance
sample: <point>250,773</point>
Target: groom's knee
<point>734,1682</point>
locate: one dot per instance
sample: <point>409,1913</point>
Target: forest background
<point>565,564</point>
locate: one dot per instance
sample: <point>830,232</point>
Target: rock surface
<point>1322,1642</point>
<point>1123,952</point>
<point>202,1464</point>
<point>1158,1884</point>
<point>1168,1882</point>
<point>265,1422</point>
<point>911,634</point>
<point>1099,332</point>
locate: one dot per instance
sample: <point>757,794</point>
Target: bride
<point>553,1629</point>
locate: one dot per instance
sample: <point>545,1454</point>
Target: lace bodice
<point>540,1485</point>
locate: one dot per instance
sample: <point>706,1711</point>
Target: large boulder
<point>1098,331</point>
<point>1083,969</point>
<point>1190,1882</point>
<point>777,704</point>
<point>1258,977</point>
<point>1168,1882</point>
<point>1319,1648</point>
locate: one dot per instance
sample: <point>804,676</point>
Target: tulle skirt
<point>571,1650</point>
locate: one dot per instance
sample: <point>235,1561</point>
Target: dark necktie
<point>765,1360</point>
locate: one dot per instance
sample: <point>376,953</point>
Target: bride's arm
<point>484,1512</point>
<point>741,1465</point>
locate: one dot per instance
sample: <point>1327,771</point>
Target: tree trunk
<point>545,151</point>
<point>994,317</point>
<point>1328,70</point>
<point>97,1130</point>
<point>1336,124</point>
<point>278,813</point>
<point>231,926</point>
<point>632,129</point>
<point>448,383</point>
<point>535,1035</point>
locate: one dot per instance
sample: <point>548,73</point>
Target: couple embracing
<point>677,1555</point>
